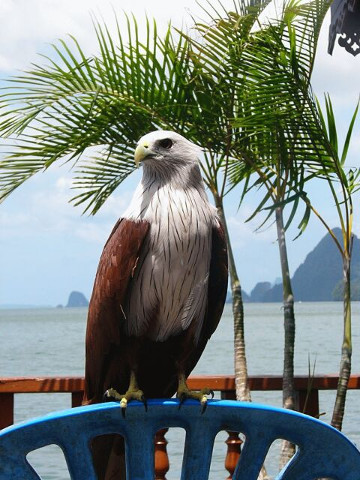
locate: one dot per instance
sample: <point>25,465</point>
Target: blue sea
<point>50,341</point>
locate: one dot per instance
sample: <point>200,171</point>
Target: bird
<point>160,285</point>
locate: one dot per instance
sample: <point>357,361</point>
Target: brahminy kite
<point>161,282</point>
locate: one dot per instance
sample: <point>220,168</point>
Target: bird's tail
<point>109,457</point>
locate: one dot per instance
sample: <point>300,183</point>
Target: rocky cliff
<point>319,278</point>
<point>77,299</point>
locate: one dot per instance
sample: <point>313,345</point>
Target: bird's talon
<point>201,396</point>
<point>110,395</point>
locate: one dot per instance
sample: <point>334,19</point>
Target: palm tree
<point>272,122</point>
<point>343,184</point>
<point>295,145</point>
<point>309,141</point>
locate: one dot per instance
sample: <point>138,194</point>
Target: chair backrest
<point>322,450</point>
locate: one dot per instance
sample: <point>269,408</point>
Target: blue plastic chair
<point>322,450</point>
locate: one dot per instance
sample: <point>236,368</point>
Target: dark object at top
<point>345,19</point>
<point>77,299</point>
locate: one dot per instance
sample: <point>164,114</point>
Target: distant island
<point>77,299</point>
<point>318,279</point>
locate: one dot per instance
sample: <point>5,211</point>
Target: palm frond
<point>260,81</point>
<point>75,103</point>
<point>98,177</point>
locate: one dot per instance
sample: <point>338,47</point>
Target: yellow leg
<point>183,392</point>
<point>133,393</point>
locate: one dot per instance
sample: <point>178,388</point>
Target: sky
<point>47,247</point>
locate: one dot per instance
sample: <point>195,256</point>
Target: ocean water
<point>39,342</point>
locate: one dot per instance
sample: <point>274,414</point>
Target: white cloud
<point>28,26</point>
<point>42,208</point>
<point>63,183</point>
<point>91,232</point>
<point>45,238</point>
<point>10,221</point>
<point>337,74</point>
<point>4,64</point>
<point>243,232</point>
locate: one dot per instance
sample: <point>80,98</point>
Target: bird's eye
<point>166,143</point>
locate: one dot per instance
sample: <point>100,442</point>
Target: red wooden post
<point>76,398</point>
<point>161,457</point>
<point>233,441</point>
<point>6,409</point>
<point>233,453</point>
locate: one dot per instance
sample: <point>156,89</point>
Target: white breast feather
<point>171,280</point>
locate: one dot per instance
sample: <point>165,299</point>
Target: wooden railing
<point>307,392</point>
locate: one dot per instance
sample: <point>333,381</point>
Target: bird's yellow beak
<point>141,151</point>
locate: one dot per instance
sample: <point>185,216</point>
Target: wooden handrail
<point>306,388</point>
<point>222,383</point>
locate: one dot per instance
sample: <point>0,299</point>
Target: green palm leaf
<point>274,116</point>
<point>107,101</point>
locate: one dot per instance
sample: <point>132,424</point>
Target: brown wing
<point>116,268</point>
<point>218,281</point>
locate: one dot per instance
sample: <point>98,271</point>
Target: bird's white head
<point>170,164</point>
<point>165,148</point>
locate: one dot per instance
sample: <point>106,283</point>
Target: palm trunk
<point>240,364</point>
<point>289,400</point>
<point>346,351</point>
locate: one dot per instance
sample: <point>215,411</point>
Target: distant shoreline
<point>228,302</point>
<point>31,307</point>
